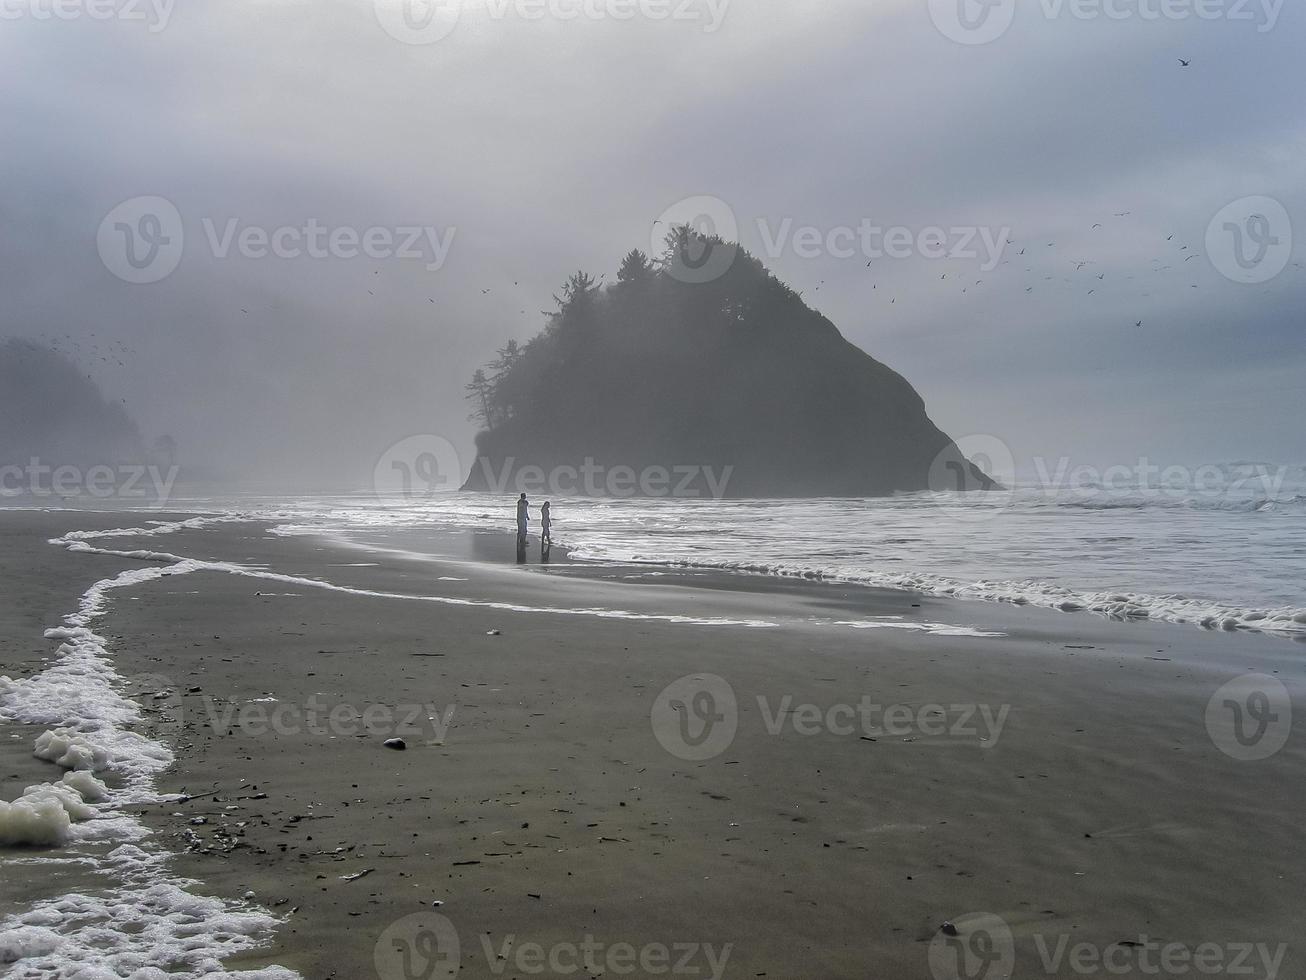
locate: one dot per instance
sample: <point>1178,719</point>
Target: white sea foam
<point>1117,605</point>
<point>155,528</point>
<point>185,565</point>
<point>934,629</point>
<point>147,926</point>
<point>145,930</point>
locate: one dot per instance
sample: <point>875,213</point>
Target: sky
<point>493,147</point>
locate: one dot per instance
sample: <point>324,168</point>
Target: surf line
<point>180,565</point>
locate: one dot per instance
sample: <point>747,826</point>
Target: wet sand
<point>1075,792</point>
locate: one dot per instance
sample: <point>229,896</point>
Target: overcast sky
<point>530,143</point>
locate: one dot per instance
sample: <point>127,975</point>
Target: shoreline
<point>1204,610</point>
<point>539,801</point>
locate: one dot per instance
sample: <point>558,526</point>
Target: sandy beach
<point>562,808</point>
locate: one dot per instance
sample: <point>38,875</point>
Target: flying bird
<point>1184,63</point>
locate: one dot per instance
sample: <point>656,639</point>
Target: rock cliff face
<point>735,378</point>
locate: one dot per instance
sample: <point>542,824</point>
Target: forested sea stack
<point>733,386</point>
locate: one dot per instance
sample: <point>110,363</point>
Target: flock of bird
<point>1042,260</point>
<point>87,349</point>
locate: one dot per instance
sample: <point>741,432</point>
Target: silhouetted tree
<point>479,392</point>
<point>578,295</point>
<point>508,355</point>
<point>636,269</point>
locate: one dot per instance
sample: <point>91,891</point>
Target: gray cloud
<point>552,145</point>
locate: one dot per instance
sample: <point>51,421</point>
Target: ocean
<point>1221,546</point>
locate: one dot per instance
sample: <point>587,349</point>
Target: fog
<point>534,146</point>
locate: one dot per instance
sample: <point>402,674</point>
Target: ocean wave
<point>1120,605</point>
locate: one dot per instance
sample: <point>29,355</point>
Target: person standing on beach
<point>523,517</point>
<point>546,539</point>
